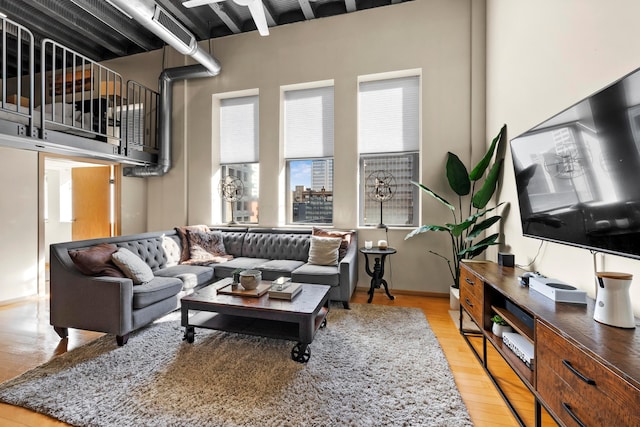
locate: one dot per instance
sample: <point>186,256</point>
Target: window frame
<point>372,148</point>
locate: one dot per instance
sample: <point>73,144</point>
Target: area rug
<point>371,366</point>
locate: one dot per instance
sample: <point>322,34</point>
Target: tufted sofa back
<point>150,250</point>
<point>274,243</point>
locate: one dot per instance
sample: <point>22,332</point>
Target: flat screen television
<point>578,173</point>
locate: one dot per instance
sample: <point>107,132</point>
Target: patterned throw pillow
<point>96,261</point>
<point>324,250</point>
<point>344,235</point>
<point>206,247</point>
<point>184,240</point>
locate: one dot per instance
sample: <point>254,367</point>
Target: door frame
<point>117,201</point>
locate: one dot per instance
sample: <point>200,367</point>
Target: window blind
<point>239,130</point>
<point>308,123</point>
<point>389,115</point>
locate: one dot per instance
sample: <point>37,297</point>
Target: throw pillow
<point>344,235</point>
<point>324,250</point>
<point>184,241</point>
<point>96,261</point>
<point>206,247</point>
<point>133,266</point>
<point>171,251</point>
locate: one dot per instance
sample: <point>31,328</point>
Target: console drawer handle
<point>570,367</point>
<point>572,415</point>
<point>469,303</point>
<point>469,281</point>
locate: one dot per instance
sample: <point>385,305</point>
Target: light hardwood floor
<point>28,341</point>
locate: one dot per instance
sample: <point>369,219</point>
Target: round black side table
<point>377,275</point>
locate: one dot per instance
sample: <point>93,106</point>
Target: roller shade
<point>239,130</point>
<point>389,115</point>
<point>308,123</point>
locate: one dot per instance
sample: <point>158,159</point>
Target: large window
<point>239,159</point>
<point>389,141</point>
<point>308,146</point>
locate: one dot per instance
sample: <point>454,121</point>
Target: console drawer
<point>471,295</point>
<point>470,283</point>
<point>573,384</point>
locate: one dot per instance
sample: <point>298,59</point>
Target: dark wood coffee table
<point>296,320</point>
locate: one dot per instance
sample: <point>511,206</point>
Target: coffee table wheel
<point>324,323</point>
<point>189,335</point>
<point>301,353</point>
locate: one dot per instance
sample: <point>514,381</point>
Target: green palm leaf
<point>457,175</point>
<point>481,167</point>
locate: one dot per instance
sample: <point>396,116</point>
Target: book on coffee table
<point>286,292</point>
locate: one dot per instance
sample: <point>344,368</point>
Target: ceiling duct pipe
<point>165,26</point>
<point>162,24</point>
<point>167,78</point>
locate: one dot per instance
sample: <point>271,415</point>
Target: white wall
<point>542,57</point>
<point>19,261</point>
<point>432,35</point>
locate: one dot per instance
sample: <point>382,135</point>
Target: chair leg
<point>62,332</point>
<point>122,339</point>
<point>345,304</point>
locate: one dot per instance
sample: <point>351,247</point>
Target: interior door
<point>91,189</point>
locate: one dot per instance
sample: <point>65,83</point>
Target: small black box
<point>505,259</point>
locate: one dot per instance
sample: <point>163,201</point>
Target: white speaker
<point>613,303</point>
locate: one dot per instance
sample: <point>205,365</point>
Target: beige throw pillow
<point>324,250</point>
<point>132,266</point>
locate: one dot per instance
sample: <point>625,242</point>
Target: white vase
<point>498,330</point>
<point>454,298</point>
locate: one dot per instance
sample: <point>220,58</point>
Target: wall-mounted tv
<point>578,173</point>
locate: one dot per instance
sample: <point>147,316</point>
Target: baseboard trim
<point>410,293</point>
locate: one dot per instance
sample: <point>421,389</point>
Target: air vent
<point>174,27</point>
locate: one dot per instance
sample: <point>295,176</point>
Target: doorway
<point>80,200</point>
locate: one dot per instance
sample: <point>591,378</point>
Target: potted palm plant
<point>471,218</point>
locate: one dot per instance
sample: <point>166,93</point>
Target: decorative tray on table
<point>238,290</point>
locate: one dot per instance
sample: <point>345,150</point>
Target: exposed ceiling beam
<point>119,23</point>
<point>307,10</point>
<point>268,13</point>
<point>39,24</point>
<point>64,14</point>
<point>227,16</point>
<point>351,5</point>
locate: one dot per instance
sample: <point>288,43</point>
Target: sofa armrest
<point>102,304</point>
<point>349,270</point>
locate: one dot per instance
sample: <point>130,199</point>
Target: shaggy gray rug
<point>371,366</point>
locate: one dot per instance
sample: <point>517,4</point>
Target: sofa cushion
<point>273,269</point>
<point>206,247</point>
<point>191,275</point>
<point>344,235</point>
<point>324,250</point>
<point>158,289</point>
<point>243,263</point>
<point>96,261</point>
<point>317,274</point>
<point>132,266</point>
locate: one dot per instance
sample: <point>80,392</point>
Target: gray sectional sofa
<point>98,301</point>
